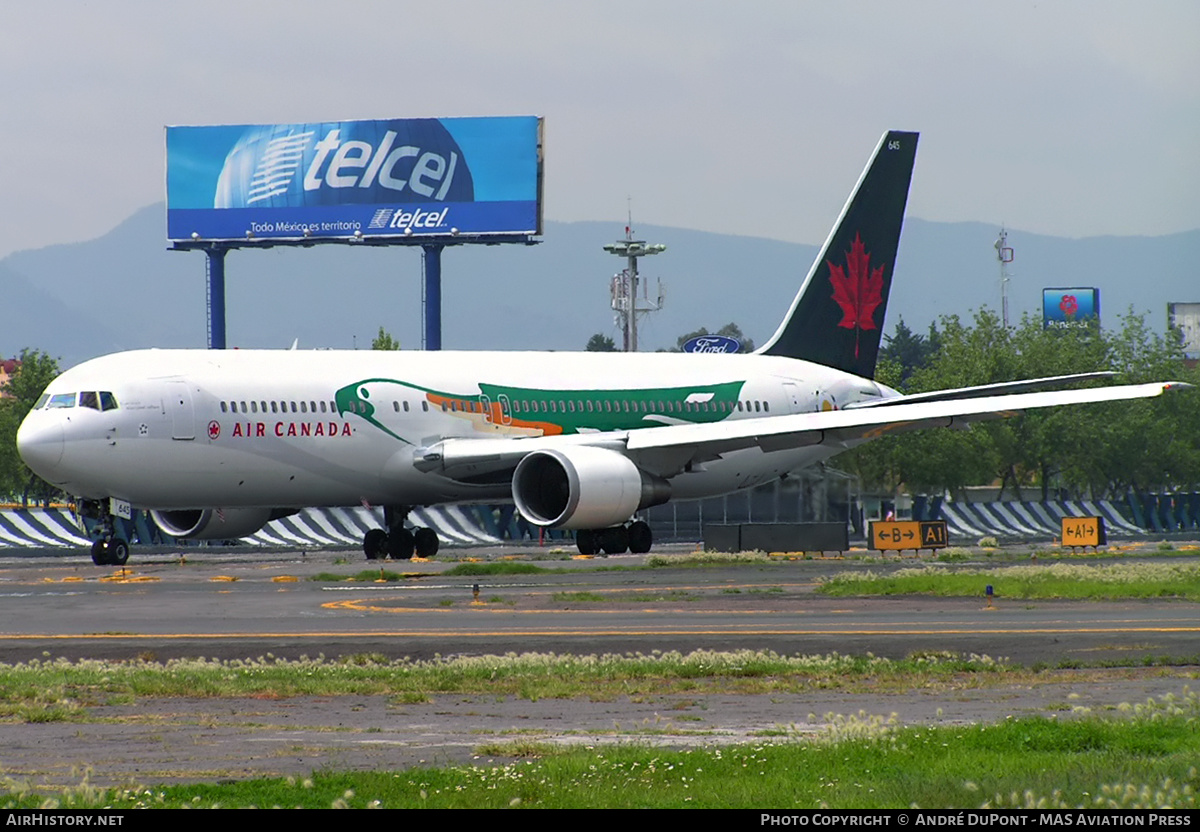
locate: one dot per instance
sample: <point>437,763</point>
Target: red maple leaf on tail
<point>859,293</point>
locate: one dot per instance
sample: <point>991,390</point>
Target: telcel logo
<point>358,164</point>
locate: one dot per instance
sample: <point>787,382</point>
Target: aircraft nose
<point>41,446</point>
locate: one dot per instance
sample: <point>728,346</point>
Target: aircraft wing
<point>999,389</point>
<point>664,450</point>
<point>841,426</point>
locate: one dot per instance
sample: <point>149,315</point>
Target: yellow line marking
<point>440,632</point>
<point>357,605</point>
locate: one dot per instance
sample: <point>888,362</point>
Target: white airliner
<point>217,443</point>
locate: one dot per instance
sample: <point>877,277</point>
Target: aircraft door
<point>505,409</point>
<point>794,400</point>
<point>179,405</point>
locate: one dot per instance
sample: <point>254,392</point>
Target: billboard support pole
<point>432,295</point>
<point>216,296</point>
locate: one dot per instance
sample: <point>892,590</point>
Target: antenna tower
<point>1004,254</point>
<point>625,300</point>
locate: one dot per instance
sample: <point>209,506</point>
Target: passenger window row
<point>104,400</point>
<point>277,407</point>
<point>459,405</point>
<point>603,406</point>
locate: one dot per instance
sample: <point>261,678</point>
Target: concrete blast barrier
<point>776,537</point>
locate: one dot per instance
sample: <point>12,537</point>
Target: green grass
<point>707,559</point>
<point>1143,757</point>
<point>519,749</point>
<point>1060,580</point>
<point>505,568</point>
<point>366,576</point>
<point>955,554</point>
<point>579,597</point>
<point>62,690</point>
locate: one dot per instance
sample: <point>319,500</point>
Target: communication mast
<point>625,300</point>
<point>1004,254</point>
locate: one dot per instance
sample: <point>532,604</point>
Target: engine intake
<point>583,488</point>
<point>207,524</point>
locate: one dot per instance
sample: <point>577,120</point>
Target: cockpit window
<point>98,400</point>
<point>41,401</point>
<point>62,400</point>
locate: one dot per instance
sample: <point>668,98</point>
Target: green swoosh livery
<point>558,411</point>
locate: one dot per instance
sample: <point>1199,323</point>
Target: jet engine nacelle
<point>208,524</point>
<point>583,488</point>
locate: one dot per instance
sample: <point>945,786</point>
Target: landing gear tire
<point>375,544</point>
<point>118,552</point>
<point>108,549</point>
<point>400,544</point>
<point>614,541</point>
<point>100,553</point>
<point>585,541</point>
<point>426,542</point>
<point>640,537</point>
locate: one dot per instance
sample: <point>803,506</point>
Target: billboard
<point>1068,308</point>
<point>410,177</point>
<point>712,343</point>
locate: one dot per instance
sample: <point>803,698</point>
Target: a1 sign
<point>1083,531</point>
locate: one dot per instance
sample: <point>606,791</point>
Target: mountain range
<point>126,290</point>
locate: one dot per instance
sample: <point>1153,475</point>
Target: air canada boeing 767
<point>217,443</point>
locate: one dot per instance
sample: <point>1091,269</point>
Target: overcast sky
<point>1067,118</point>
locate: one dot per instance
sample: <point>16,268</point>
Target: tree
<point>911,351</point>
<point>600,343</point>
<point>384,341</point>
<point>1148,444</point>
<point>1097,450</point>
<point>21,393</point>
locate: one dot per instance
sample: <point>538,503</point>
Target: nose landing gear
<point>111,552</point>
<point>108,549</point>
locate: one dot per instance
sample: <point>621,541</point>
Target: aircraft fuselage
<point>259,428</point>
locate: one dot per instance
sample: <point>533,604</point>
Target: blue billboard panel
<point>712,343</point>
<point>338,179</point>
<point>1066,308</point>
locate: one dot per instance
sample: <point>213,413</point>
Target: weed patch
<point>1059,580</point>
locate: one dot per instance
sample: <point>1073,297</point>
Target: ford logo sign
<point>711,343</point>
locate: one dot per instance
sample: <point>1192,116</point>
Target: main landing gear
<point>635,537</point>
<point>108,549</point>
<point>397,542</point>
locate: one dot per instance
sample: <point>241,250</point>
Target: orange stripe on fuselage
<point>466,408</point>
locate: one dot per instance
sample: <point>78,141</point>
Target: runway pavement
<point>231,605</point>
<point>250,604</point>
